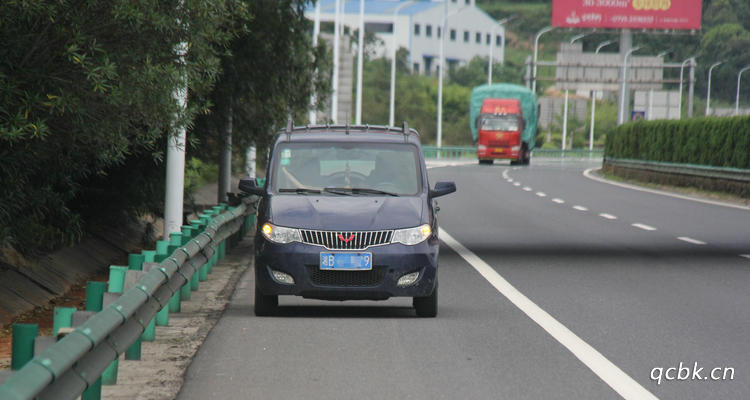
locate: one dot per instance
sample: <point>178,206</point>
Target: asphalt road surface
<point>552,286</point>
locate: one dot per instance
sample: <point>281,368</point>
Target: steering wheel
<point>356,179</point>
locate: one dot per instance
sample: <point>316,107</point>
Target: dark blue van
<point>346,213</point>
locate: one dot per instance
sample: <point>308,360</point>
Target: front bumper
<point>390,262</point>
<point>502,152</point>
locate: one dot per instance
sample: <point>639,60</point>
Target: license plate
<point>499,151</point>
<point>346,261</point>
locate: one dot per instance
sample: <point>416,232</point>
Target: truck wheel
<point>525,156</point>
<point>265,305</point>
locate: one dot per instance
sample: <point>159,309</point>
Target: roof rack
<point>404,129</point>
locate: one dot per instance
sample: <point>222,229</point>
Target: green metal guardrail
<point>703,171</point>
<point>452,152</point>
<point>76,362</point>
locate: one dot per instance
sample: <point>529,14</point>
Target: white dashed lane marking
<point>558,201</point>
<point>691,240</point>
<point>745,255</point>
<point>607,216</point>
<point>644,227</point>
<point>517,184</point>
<point>528,189</point>
<point>580,208</point>
<point>541,194</point>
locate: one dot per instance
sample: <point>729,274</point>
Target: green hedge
<point>712,141</point>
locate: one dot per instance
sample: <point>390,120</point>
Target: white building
<point>470,31</point>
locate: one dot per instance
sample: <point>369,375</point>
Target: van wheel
<point>265,305</point>
<point>426,307</point>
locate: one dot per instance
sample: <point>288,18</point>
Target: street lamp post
<point>312,114</point>
<point>682,71</point>
<point>708,89</point>
<point>335,78</point>
<point>593,97</point>
<point>441,72</point>
<point>623,105</point>
<point>737,102</point>
<point>492,48</point>
<point>360,52</point>
<point>565,108</point>
<point>392,104</point>
<point>536,53</point>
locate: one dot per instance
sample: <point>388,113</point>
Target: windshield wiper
<point>299,190</point>
<point>359,191</point>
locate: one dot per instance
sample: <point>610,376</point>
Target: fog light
<point>282,277</point>
<point>408,279</point>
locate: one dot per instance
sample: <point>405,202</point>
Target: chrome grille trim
<point>360,240</point>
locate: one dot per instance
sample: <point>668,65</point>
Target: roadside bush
<point>718,142</point>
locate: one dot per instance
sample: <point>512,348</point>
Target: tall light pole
<point>593,97</point>
<point>335,79</point>
<point>175,179</point>
<point>492,47</point>
<point>360,52</point>
<point>536,52</point>
<point>312,114</point>
<point>441,72</point>
<point>394,44</point>
<point>708,89</point>
<point>737,102</point>
<point>565,108</point>
<point>623,104</point>
<point>682,71</point>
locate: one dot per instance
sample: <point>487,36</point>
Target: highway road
<point>552,286</point>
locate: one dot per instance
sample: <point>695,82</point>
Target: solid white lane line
<point>587,173</point>
<point>610,373</point>
<point>580,208</point>
<point>607,216</point>
<point>644,227</point>
<point>517,184</point>
<point>541,194</point>
<point>691,240</point>
<point>528,189</point>
<point>558,201</point>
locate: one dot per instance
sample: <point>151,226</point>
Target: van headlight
<point>412,236</point>
<point>280,234</point>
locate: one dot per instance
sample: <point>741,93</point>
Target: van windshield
<point>500,123</point>
<point>368,168</point>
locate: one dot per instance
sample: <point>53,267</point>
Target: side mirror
<point>251,186</point>
<point>443,188</point>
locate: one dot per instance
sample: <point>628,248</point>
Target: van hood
<point>346,213</point>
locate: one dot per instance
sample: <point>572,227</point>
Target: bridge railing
<point>77,361</point>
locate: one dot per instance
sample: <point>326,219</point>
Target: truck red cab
<point>500,124</point>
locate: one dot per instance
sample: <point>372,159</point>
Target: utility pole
<point>360,52</point>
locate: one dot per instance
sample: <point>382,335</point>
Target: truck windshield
<point>500,123</point>
<point>366,168</point>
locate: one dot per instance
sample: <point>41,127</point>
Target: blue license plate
<point>346,261</point>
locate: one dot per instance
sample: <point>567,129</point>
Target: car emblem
<point>346,240</point>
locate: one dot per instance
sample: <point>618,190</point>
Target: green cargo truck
<point>503,118</point>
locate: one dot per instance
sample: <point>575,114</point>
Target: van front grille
<point>346,240</point>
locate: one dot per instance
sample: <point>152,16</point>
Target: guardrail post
<point>135,261</point>
<point>22,345</point>
<point>62,317</point>
<point>162,248</point>
<point>94,295</point>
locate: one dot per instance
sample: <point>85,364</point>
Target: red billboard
<point>636,14</point>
